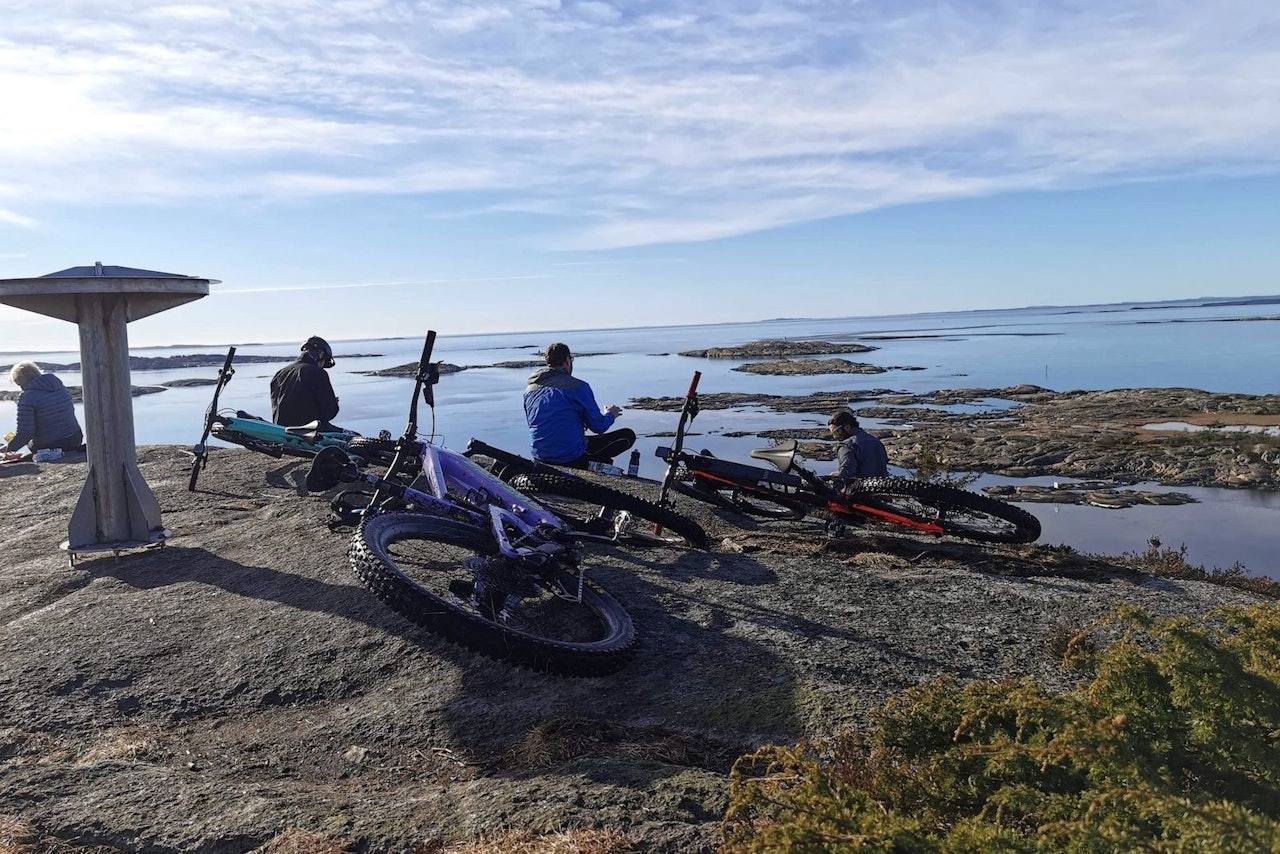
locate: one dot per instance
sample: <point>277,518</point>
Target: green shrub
<point>933,464</point>
<point>1171,747</point>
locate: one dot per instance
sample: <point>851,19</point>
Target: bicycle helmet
<point>319,350</point>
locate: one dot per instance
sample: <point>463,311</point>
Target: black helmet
<point>319,350</point>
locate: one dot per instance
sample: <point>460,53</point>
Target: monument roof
<point>100,270</point>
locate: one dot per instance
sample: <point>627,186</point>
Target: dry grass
<point>1070,644</point>
<point>116,747</point>
<point>563,842</point>
<point>17,836</point>
<point>295,841</point>
<point>1168,562</point>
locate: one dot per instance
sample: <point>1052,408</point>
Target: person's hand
<point>615,411</point>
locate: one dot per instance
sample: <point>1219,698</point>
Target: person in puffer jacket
<point>46,413</point>
<point>560,408</point>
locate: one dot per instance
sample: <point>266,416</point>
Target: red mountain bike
<point>790,491</point>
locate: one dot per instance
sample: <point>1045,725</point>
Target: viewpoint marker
<point>117,510</point>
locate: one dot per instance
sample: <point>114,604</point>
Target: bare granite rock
<point>779,349</point>
<point>813,367</point>
<point>239,686</point>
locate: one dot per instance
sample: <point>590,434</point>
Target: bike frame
<point>487,501</point>
<point>274,439</point>
<point>257,434</point>
<point>459,488</point>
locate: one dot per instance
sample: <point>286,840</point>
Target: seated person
<point>301,391</point>
<point>46,413</point>
<point>860,453</point>
<point>560,408</point>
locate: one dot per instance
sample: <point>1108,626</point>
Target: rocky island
<point>1177,437</point>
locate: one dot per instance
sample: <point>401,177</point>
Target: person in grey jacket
<point>860,454</point>
<point>46,413</point>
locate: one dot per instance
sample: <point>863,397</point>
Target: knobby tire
<point>380,452</point>
<point>578,501</point>
<point>408,559</point>
<point>958,512</point>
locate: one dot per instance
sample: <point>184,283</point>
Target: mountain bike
<point>471,558</point>
<point>791,491</point>
<point>264,437</point>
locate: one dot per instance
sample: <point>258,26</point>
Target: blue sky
<point>361,168</point>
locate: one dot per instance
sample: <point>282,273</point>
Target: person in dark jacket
<point>46,413</point>
<point>860,454</point>
<point>301,391</point>
<point>559,408</point>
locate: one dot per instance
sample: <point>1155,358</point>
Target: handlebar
<point>693,385</point>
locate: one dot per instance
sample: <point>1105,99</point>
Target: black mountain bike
<point>591,506</point>
<point>791,491</point>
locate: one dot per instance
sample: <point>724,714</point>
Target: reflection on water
<point>1184,427</point>
<point>1227,526</point>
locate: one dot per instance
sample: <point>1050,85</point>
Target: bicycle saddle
<point>782,455</point>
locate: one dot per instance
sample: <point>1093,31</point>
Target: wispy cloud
<point>316,286</point>
<point>643,123</point>
<point>17,219</point>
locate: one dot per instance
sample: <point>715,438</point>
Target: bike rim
<point>479,586</point>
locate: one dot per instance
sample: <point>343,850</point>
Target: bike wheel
<point>442,575</point>
<point>958,512</point>
<point>750,503</point>
<point>579,502</point>
<point>381,452</point>
<point>252,443</point>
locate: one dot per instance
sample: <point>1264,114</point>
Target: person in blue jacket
<point>860,454</point>
<point>46,413</point>
<point>560,408</point>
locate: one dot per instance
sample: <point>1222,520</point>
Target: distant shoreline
<point>1194,302</point>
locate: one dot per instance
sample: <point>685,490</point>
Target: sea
<point>1209,344</point>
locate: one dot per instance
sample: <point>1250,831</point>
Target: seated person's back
<point>301,392</point>
<point>46,412</point>
<point>558,407</point>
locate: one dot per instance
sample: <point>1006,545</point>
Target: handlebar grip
<point>427,347</point>
<point>693,384</point>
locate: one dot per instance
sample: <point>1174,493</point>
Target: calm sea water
<point>1097,347</point>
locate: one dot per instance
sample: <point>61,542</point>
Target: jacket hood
<point>548,376</point>
<point>45,382</point>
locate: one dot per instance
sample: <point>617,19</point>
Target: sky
<point>370,168</point>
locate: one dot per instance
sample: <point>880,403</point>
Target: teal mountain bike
<point>237,427</point>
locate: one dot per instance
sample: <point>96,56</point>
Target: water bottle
<point>633,467</point>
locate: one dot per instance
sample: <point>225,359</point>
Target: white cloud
<point>653,124</point>
<point>12,218</point>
